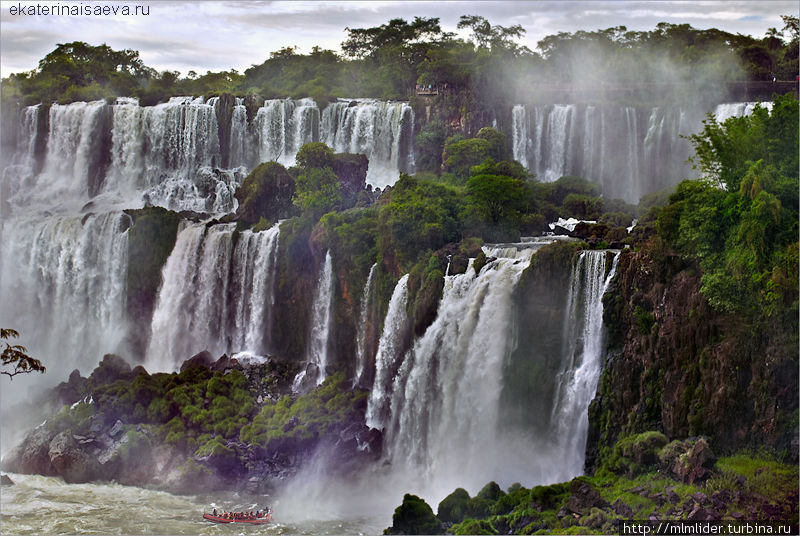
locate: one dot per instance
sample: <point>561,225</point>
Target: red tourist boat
<point>263,520</point>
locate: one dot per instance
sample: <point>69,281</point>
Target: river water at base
<point>47,505</point>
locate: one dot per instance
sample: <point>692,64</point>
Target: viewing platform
<point>428,91</point>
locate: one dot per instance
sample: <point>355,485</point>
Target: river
<point>47,505</point>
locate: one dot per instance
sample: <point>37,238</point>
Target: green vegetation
<point>311,416</point>
<point>318,189</point>
<point>387,61</point>
<point>16,356</point>
<point>740,223</point>
<point>414,516</point>
<point>266,193</point>
<point>634,484</point>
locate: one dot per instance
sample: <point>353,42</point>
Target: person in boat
<point>215,512</point>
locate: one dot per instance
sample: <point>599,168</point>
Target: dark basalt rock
<point>6,481</point>
<point>583,497</point>
<point>111,369</point>
<point>351,170</point>
<point>689,461</point>
<point>202,359</point>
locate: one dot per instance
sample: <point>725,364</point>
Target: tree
<point>740,224</point>
<point>495,38</point>
<point>318,189</point>
<point>17,356</point>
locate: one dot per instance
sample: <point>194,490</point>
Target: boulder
<point>414,516</point>
<point>111,368</point>
<point>202,359</point>
<point>689,461</point>
<point>622,509</point>
<point>703,514</point>
<point>351,170</point>
<point>70,459</point>
<point>583,497</point>
<point>31,456</point>
<point>453,508</point>
<point>6,481</point>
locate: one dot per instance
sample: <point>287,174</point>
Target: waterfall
<point>582,354</point>
<point>181,151</point>
<point>20,169</point>
<point>238,148</point>
<point>395,326</point>
<point>727,110</point>
<point>322,312</point>
<point>126,155</point>
<point>283,126</point>
<point>519,129</point>
<point>446,391</point>
<point>380,130</point>
<point>216,295</point>
<point>609,145</point>
<point>361,335</point>
<point>439,403</point>
<point>63,280</point>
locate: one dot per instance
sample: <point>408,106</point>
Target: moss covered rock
<point>150,242</point>
<point>453,508</point>
<point>414,516</point>
<point>265,193</point>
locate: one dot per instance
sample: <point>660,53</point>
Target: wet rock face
<point>32,455</point>
<point>71,459</point>
<point>674,364</point>
<point>91,441</point>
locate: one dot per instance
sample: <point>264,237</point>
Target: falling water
<point>283,126</point>
<point>446,392</point>
<point>439,403</point>
<point>606,144</point>
<point>520,139</point>
<point>216,295</point>
<point>380,130</point>
<point>20,169</point>
<point>737,109</point>
<point>63,280</point>
<point>239,140</point>
<point>582,353</point>
<point>361,335</point>
<point>388,357</point>
<point>322,309</point>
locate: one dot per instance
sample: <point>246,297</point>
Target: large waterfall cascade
<point>629,151</point>
<point>217,294</point>
<point>172,154</point>
<point>75,167</point>
<point>62,282</point>
<point>439,402</point>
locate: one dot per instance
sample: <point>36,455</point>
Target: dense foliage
<point>741,221</point>
<point>387,61</point>
<point>643,484</point>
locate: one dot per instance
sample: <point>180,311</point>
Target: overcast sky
<point>203,36</point>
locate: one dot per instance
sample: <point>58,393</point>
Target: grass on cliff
<point>633,482</point>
